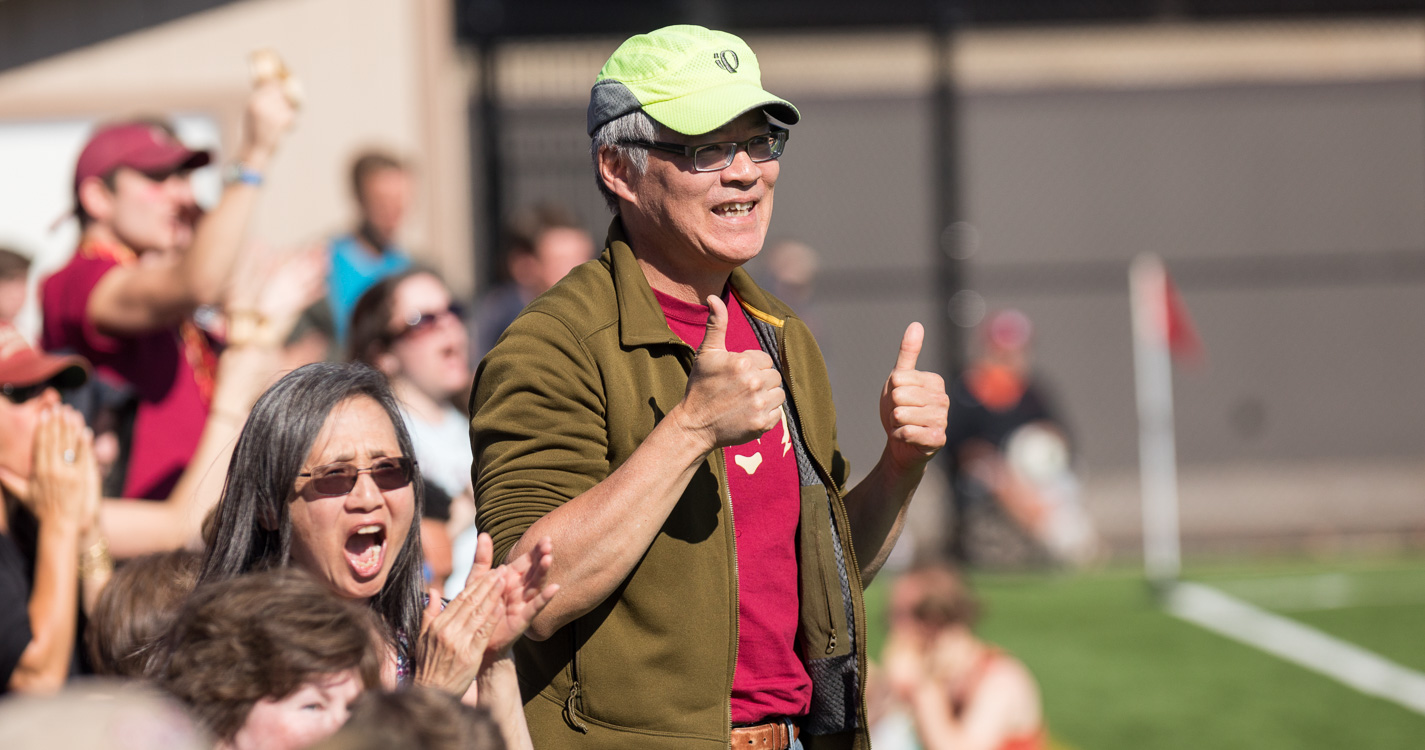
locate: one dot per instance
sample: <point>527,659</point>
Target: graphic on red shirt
<point>770,680</point>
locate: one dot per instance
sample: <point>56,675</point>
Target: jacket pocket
<point>823,616</point>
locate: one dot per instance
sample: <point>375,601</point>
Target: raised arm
<point>145,296</point>
<point>275,287</point>
<point>914,409</point>
<point>603,532</point>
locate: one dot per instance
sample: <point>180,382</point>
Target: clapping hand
<point>452,644</point>
<point>525,592</point>
<point>480,624</point>
<point>64,481</point>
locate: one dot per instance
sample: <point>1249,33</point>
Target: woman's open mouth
<point>366,550</point>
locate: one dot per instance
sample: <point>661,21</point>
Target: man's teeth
<point>734,209</point>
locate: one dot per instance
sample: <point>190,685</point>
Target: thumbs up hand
<point>732,397</point>
<point>914,406</point>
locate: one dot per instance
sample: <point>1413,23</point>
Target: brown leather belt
<point>769,736</point>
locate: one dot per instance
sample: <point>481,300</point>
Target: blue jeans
<point>796,741</point>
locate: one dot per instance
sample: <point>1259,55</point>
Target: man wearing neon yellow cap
<point>669,425</point>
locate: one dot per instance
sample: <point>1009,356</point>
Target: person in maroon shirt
<point>687,159</point>
<point>144,264</point>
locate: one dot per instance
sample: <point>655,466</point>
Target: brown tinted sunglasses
<point>391,473</point>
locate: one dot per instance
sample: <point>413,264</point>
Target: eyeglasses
<point>339,479</point>
<point>19,394</point>
<point>420,322</point>
<point>714,157</point>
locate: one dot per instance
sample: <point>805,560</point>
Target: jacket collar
<point>641,321</point>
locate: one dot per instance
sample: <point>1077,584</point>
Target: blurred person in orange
<point>52,552</point>
<point>14,277</point>
<point>546,242</point>
<point>146,261</point>
<point>381,186</point>
<point>1010,450</point>
<point>408,328</point>
<point>960,693</point>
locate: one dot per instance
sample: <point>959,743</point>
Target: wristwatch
<point>237,172</point>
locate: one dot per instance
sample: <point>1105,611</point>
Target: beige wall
<point>376,72</point>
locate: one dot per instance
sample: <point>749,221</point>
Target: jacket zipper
<point>721,463</point>
<point>857,634</point>
<point>825,580</point>
<point>574,698</point>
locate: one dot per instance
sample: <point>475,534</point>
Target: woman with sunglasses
<point>407,327</point>
<point>322,478</point>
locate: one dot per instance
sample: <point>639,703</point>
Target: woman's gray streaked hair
<point>617,134</point>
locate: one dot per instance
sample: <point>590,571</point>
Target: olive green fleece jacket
<point>570,391</point>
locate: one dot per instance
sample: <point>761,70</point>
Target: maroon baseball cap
<point>144,146</point>
<point>23,365</point>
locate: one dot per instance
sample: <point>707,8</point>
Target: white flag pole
<point>1157,452</point>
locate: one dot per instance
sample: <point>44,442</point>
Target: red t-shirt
<point>770,680</point>
<point>171,407</point>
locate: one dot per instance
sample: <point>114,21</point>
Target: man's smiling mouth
<point>734,210</point>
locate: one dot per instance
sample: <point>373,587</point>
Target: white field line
<point>1325,591</point>
<point>1304,646</point>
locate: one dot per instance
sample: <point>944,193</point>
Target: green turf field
<point>1117,673</point>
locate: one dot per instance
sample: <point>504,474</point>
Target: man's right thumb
<point>715,339</point>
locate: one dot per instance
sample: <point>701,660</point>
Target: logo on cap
<point>727,60</point>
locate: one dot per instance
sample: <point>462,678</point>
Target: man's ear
<point>616,173</point>
<point>96,199</point>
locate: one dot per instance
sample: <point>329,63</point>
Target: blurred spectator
<point>408,328</point>
<point>14,276</point>
<point>52,553</point>
<point>415,719</point>
<point>1011,454</point>
<point>270,290</point>
<point>136,609</point>
<point>98,715</point>
<point>144,264</point>
<point>791,268</point>
<point>271,660</point>
<point>313,338</point>
<point>546,242</point>
<point>322,479</point>
<point>381,184</point>
<point>959,692</point>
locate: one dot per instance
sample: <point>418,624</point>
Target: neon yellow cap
<point>691,79</point>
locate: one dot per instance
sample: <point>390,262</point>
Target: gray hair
<point>619,135</point>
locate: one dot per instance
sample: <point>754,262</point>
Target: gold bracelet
<point>96,560</point>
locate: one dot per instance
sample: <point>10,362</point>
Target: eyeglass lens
<point>715,156</point>
<point>340,479</point>
<point>19,394</point>
<point>428,319</point>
